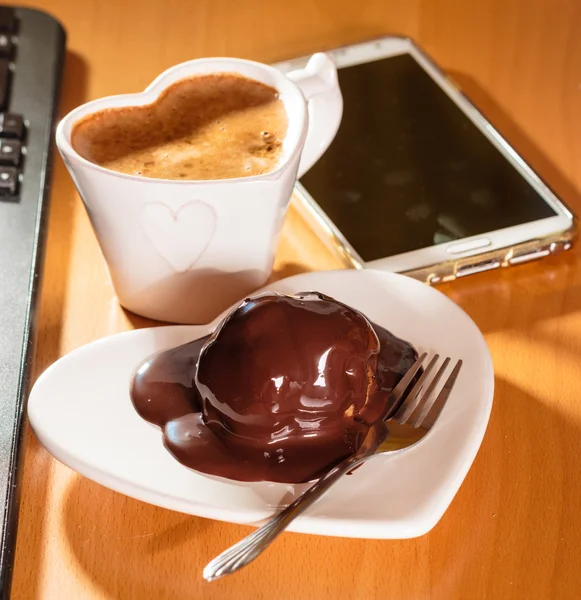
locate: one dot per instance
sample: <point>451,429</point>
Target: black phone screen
<point>408,169</point>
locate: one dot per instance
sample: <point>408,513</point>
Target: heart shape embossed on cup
<point>181,237</point>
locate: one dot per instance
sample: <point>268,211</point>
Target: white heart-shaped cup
<point>183,251</point>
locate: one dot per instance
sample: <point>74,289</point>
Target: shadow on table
<point>48,347</point>
<point>503,536</point>
<point>522,296</point>
<point>512,530</point>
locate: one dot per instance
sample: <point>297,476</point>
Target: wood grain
<point>513,531</point>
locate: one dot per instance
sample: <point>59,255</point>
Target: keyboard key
<point>10,152</point>
<point>4,82</point>
<point>11,125</point>
<point>6,46</point>
<point>7,19</point>
<point>8,181</point>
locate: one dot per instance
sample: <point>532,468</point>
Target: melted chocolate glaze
<point>285,387</point>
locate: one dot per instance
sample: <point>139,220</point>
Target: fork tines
<point>419,407</point>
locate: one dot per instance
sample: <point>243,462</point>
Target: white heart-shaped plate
<point>81,411</point>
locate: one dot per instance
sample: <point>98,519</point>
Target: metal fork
<point>409,419</point>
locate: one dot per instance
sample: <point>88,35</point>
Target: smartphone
<point>417,181</point>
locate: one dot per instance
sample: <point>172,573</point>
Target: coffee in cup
<point>211,126</point>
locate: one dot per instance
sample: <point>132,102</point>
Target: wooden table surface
<point>514,529</point>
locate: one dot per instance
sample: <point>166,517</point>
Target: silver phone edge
<point>442,272</point>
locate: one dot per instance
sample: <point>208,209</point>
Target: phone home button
<point>467,246</point>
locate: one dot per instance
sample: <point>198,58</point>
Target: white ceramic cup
<point>183,251</point>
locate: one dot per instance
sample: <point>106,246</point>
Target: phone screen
<point>408,169</point>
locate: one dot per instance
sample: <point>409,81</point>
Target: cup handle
<point>320,87</point>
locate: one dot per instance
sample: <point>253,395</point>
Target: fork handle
<point>246,550</point>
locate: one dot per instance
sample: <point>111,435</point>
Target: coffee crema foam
<point>216,126</point>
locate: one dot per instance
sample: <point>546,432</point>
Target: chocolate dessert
<point>286,387</point>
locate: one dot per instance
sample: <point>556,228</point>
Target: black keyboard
<point>32,46</point>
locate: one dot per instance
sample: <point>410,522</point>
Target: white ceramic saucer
<point>81,411</point>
